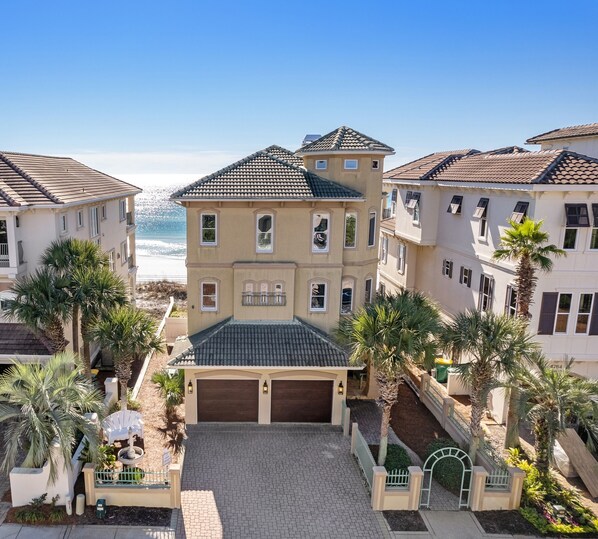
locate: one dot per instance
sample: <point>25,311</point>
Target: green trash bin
<point>442,367</point>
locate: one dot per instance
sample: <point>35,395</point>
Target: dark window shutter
<point>451,269</point>
<point>461,275</point>
<point>548,313</point>
<point>594,321</point>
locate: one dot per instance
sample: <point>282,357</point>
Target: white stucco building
<point>444,216</point>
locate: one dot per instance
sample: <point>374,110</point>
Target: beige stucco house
<point>444,216</point>
<point>44,198</point>
<point>279,245</point>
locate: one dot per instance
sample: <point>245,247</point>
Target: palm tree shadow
<point>173,431</point>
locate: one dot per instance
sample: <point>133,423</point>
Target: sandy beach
<point>155,268</point>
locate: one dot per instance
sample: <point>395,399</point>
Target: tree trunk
<point>389,392</point>
<point>75,323</point>
<point>475,426</point>
<point>123,393</point>
<point>122,369</point>
<point>542,446</point>
<point>86,347</point>
<point>512,434</point>
<point>54,331</point>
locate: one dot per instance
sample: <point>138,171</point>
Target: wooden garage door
<point>301,401</point>
<point>227,400</point>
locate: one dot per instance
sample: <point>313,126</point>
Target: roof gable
<point>265,175</point>
<point>346,140</point>
<point>586,130</point>
<point>426,167</point>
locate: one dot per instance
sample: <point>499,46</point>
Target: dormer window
<point>455,205</point>
<point>520,212</point>
<point>321,164</point>
<point>351,164</point>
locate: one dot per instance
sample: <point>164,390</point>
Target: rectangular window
<point>123,253</point>
<point>264,232</point>
<point>483,228</point>
<point>375,164</point>
<point>594,236</point>
<point>64,224</point>
<point>520,212</point>
<point>455,205</point>
<point>80,222</point>
<point>111,260</point>
<point>350,229</point>
<point>384,250</point>
<point>577,215</point>
<point>486,293</point>
<point>447,268</point>
<point>368,290</point>
<point>320,231</point>
<point>351,164</point>
<point>511,301</point>
<point>321,164</point>
<point>583,313</point>
<point>408,197</point>
<point>401,257</point>
<point>412,203</point>
<point>393,202</point>
<point>382,289</point>
<point>372,230</point>
<point>209,296</point>
<point>347,296</point>
<point>318,297</point>
<point>481,208</point>
<point>122,210</point>
<point>562,313</point>
<point>94,222</point>
<point>208,229</point>
<point>103,207</point>
<point>570,239</point>
<point>465,275</point>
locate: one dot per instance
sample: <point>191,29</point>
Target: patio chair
<point>116,426</point>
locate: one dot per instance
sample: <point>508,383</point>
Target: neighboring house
<point>578,138</point>
<point>279,246</point>
<point>43,199</point>
<point>446,213</point>
<point>17,341</point>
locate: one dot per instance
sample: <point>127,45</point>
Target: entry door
<point>227,400</point>
<point>301,401</point>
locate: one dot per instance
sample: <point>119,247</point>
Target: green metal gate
<point>447,452</point>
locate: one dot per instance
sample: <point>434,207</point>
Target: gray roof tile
<point>344,139</point>
<point>18,339</point>
<point>573,131</point>
<point>259,344</point>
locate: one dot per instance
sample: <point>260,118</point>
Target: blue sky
<point>173,89</point>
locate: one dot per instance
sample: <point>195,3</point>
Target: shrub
<point>132,404</point>
<point>131,475</point>
<point>171,386</point>
<point>33,512</point>
<point>397,458</point>
<point>447,471</point>
<point>105,455</point>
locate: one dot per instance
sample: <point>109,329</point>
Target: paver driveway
<point>272,481</point>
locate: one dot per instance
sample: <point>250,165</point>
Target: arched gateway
<point>432,460</point>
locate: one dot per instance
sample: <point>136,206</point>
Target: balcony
<point>4,260</point>
<point>130,221</point>
<point>264,299</point>
<point>386,213</point>
<point>130,262</point>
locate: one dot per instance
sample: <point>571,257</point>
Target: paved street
<point>273,481</point>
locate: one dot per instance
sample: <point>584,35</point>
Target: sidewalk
<point>13,531</point>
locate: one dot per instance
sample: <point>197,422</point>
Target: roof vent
<point>310,138</point>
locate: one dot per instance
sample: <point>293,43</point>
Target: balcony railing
<point>264,299</point>
<point>386,213</point>
<point>130,220</point>
<point>4,260</point>
<point>131,262</point>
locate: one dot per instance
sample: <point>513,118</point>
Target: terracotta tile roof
<point>545,167</point>
<point>264,176</point>
<point>259,344</point>
<point>344,139</point>
<point>18,339</point>
<point>565,132</point>
<point>425,167</point>
<point>27,179</point>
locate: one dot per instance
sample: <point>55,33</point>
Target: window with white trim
<point>577,215</point>
<point>350,229</point>
<point>384,250</point>
<point>347,296</point>
<point>372,229</point>
<point>375,164</point>
<point>368,289</point>
<point>122,210</point>
<point>486,293</point>
<point>320,232</point>
<point>447,268</point>
<point>264,232</point>
<point>455,205</point>
<point>317,297</point>
<point>481,208</point>
<point>123,253</point>
<point>208,231</point>
<point>412,202</point>
<point>382,289</point>
<point>562,313</point>
<point>511,301</point>
<point>209,296</point>
<point>393,202</point>
<point>111,260</point>
<point>570,239</point>
<point>64,223</point>
<point>594,235</point>
<point>80,222</point>
<point>94,222</point>
<point>520,212</point>
<point>321,164</point>
<point>351,164</point>
<point>279,297</point>
<point>584,311</point>
<point>401,257</point>
<point>104,214</point>
<point>465,275</point>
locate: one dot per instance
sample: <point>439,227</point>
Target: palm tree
<point>552,396</point>
<point>41,304</point>
<point>96,291</point>
<point>526,244</point>
<point>128,333</point>
<point>41,404</point>
<point>492,344</point>
<point>64,257</point>
<point>389,335</point>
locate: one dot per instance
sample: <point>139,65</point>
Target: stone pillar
<point>378,488</point>
<point>89,477</point>
<point>448,405</point>
<point>347,421</point>
<point>478,487</point>
<point>416,479</point>
<point>111,390</point>
<point>354,432</point>
<point>517,477</point>
<point>425,381</point>
<point>175,486</point>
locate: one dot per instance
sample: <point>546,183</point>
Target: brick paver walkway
<point>272,481</point>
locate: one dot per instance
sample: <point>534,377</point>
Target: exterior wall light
<point>341,389</point>
<point>265,387</point>
<point>190,387</point>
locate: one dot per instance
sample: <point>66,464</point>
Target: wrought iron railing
<point>498,480</point>
<point>132,477</point>
<point>398,479</point>
<point>264,299</point>
<point>4,260</point>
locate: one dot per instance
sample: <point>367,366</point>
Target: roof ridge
<point>36,155</point>
<point>5,194</point>
<point>321,335</point>
<point>338,138</point>
<point>532,140</point>
<point>549,168</point>
<point>31,180</point>
<point>211,331</point>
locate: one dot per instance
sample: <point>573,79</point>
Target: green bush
<point>33,512</point>
<point>447,471</point>
<point>132,404</point>
<point>397,458</point>
<point>171,386</point>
